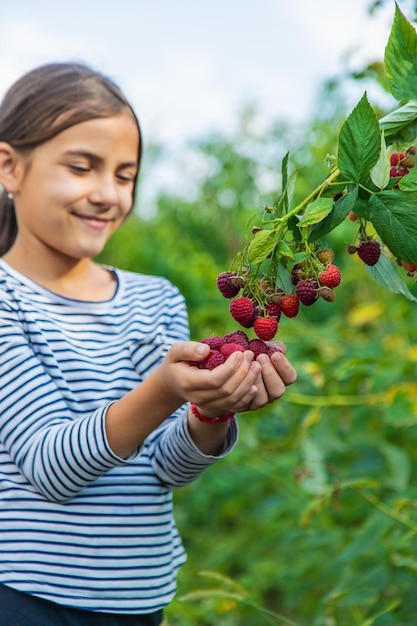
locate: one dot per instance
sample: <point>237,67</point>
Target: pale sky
<point>189,65</point>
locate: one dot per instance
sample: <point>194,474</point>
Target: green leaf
<point>399,467</point>
<point>401,58</point>
<point>408,182</point>
<point>261,246</point>
<point>359,142</point>
<point>385,274</point>
<point>381,170</point>
<point>340,210</point>
<point>399,125</point>
<point>283,249</point>
<point>316,211</point>
<point>394,216</point>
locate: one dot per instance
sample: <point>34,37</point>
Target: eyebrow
<point>97,159</point>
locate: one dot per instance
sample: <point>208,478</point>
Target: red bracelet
<point>212,420</point>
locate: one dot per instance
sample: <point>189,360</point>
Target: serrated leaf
<point>385,274</point>
<point>261,246</point>
<point>340,210</point>
<point>381,170</point>
<point>395,124</point>
<point>359,142</point>
<point>316,211</point>
<point>394,217</point>
<point>401,58</point>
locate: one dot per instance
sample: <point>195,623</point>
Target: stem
<point>384,508</point>
<point>334,400</point>
<point>309,198</point>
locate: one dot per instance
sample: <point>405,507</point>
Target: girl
<point>101,414</point>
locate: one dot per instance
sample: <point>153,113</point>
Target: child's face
<point>77,188</point>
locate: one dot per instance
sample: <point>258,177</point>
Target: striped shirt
<point>79,525</point>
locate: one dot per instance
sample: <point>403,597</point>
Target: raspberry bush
<point>372,181</point>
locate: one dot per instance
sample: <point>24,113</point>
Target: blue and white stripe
<point>79,525</point>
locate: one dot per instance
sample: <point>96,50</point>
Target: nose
<point>104,191</point>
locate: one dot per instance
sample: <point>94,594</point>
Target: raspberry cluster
<point>222,347</point>
<point>258,303</point>
<point>402,162</point>
<point>284,265</point>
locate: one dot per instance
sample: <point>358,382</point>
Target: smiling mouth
<point>92,221</point>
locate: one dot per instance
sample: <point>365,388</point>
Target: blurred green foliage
<point>312,520</point>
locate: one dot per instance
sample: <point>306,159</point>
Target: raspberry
<point>214,359</point>
<point>273,310</point>
<point>396,157</point>
<point>241,309</point>
<point>408,162</point>
<point>265,327</point>
<point>214,342</point>
<point>225,285</point>
<point>369,252</point>
<point>330,277</point>
<point>238,336</point>
<point>258,346</point>
<point>326,293</point>
<point>272,349</point>
<point>325,256</point>
<point>289,305</point>
<point>297,274</point>
<point>306,291</point>
<point>228,348</point>
<point>398,172</point>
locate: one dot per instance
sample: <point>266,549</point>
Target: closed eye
<point>79,168</point>
<point>126,178</point>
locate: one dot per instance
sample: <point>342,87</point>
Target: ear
<point>12,167</point>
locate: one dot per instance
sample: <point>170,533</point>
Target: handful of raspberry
<point>222,347</point>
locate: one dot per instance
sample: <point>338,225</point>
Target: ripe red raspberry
<point>214,359</point>
<point>228,348</point>
<point>289,305</point>
<point>241,309</point>
<point>238,336</point>
<point>214,342</point>
<point>330,277</point>
<point>396,157</point>
<point>273,310</point>
<point>273,348</point>
<point>265,327</point>
<point>398,172</point>
<point>306,291</point>
<point>369,252</point>
<point>258,346</point>
<point>225,285</point>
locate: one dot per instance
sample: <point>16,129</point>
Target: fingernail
<point>201,349</point>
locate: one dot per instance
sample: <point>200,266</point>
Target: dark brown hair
<point>45,102</point>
